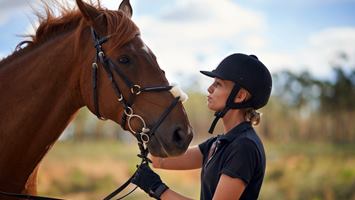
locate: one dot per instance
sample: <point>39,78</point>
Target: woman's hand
<point>157,162</point>
<point>146,179</point>
<point>191,159</point>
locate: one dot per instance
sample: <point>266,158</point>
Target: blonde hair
<point>250,114</point>
<point>253,116</point>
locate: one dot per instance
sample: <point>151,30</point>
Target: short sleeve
<point>205,147</point>
<point>241,161</point>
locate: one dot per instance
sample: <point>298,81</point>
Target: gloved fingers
<point>136,178</point>
<point>142,171</point>
<point>144,168</point>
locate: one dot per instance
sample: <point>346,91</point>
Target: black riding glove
<point>149,181</point>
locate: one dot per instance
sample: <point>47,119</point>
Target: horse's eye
<point>123,60</point>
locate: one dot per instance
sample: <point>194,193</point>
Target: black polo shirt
<point>238,154</point>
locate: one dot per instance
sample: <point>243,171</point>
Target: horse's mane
<point>69,18</point>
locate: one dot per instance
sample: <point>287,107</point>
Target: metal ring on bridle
<point>101,54</point>
<point>130,117</point>
<point>94,65</point>
<point>144,137</point>
<point>136,89</point>
<point>129,112</point>
<point>121,98</point>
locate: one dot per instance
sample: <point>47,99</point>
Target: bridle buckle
<point>136,89</point>
<point>94,65</point>
<point>144,138</point>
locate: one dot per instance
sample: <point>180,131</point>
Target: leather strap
<point>120,189</point>
<point>26,196</point>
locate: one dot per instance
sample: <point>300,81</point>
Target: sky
<point>192,35</point>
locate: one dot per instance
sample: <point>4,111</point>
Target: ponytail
<point>251,115</point>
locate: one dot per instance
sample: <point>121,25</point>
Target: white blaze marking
<point>145,48</point>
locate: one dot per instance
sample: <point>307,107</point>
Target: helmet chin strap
<point>229,105</point>
<point>218,115</point>
<point>221,113</point>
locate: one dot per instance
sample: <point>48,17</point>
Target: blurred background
<point>308,126</point>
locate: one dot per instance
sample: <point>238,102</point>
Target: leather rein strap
<point>143,136</point>
<point>26,196</point>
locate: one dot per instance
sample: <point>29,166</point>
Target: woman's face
<point>218,94</point>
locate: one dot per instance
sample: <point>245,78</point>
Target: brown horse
<point>45,83</point>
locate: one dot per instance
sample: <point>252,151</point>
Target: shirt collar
<point>235,132</point>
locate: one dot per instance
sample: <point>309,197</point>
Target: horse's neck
<point>40,93</point>
<point>40,87</point>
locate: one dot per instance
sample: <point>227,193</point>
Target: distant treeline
<point>306,108</point>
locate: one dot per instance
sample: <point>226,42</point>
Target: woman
<point>233,164</point>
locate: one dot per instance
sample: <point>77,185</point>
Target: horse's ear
<point>126,7</point>
<point>89,12</point>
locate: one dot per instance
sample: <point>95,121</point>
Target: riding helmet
<point>247,72</point>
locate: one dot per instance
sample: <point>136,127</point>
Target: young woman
<point>233,164</point>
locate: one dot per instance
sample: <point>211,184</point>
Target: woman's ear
<point>241,96</point>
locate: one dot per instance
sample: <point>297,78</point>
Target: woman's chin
<point>211,107</point>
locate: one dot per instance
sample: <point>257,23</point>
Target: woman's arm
<point>191,159</point>
<point>171,195</point>
<point>229,188</point>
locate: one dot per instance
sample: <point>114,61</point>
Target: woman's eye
<point>123,60</point>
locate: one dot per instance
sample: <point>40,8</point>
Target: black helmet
<point>245,71</point>
<point>249,73</point>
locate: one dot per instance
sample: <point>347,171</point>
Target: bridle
<point>135,89</point>
<point>143,136</point>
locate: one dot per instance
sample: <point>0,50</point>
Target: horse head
<point>127,85</point>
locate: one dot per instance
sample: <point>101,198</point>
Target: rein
<point>143,136</point>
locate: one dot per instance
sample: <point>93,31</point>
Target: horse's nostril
<point>178,136</point>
